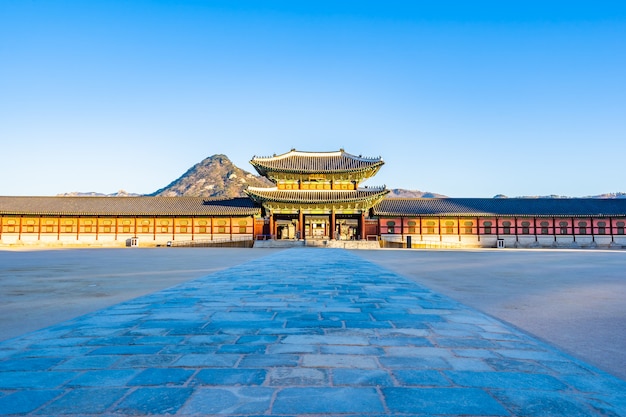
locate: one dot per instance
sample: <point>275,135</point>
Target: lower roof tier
<point>275,195</point>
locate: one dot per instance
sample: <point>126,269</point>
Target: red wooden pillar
<point>301,223</point>
<point>362,225</point>
<point>333,221</point>
<point>271,225</point>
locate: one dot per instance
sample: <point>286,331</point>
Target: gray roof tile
<point>315,162</point>
<point>139,206</point>
<point>312,197</point>
<point>501,207</point>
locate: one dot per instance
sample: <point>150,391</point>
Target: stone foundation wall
<point>510,241</point>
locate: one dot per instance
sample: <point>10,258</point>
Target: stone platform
<point>301,332</point>
<point>317,243</point>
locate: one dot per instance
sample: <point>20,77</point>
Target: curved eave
<point>298,162</point>
<point>513,207</point>
<point>267,171</point>
<point>315,197</point>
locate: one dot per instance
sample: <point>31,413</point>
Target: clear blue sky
<point>462,98</point>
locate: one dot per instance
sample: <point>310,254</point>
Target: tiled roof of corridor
<point>501,206</point>
<point>134,206</point>
<point>315,162</point>
<point>310,196</point>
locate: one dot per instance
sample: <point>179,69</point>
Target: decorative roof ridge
<point>373,187</point>
<point>220,198</point>
<point>294,152</point>
<point>263,189</point>
<point>98,197</point>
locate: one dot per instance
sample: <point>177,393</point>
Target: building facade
<point>120,221</point>
<point>503,222</point>
<point>317,197</point>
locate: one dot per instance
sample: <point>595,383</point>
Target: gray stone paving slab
<point>312,332</point>
<point>573,299</point>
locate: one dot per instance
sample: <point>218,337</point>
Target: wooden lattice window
<point>221,226</point>
<point>202,226</point>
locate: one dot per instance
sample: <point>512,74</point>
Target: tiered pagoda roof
<point>298,162</point>
<point>520,207</point>
<point>339,173</point>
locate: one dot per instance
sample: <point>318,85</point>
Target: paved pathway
<point>299,332</point>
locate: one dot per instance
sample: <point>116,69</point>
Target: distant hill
<point>605,195</point>
<point>120,193</point>
<point>610,195</point>
<point>402,193</point>
<point>215,176</point>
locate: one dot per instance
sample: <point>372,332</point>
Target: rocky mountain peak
<point>215,176</point>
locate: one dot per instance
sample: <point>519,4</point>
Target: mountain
<point>610,195</point>
<point>215,176</point>
<point>120,193</point>
<point>605,195</point>
<point>402,193</point>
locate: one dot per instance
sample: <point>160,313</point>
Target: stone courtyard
<point>293,332</point>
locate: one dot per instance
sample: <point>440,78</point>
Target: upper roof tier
<point>298,162</point>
